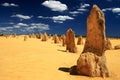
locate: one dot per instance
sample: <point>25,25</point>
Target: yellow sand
<point>37,60</point>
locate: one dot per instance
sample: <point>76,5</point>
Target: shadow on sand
<point>64,69</point>
<point>62,50</point>
<point>71,70</point>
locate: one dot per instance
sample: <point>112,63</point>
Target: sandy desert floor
<point>37,60</point>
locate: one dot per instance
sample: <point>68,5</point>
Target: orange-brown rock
<point>108,45</point>
<point>117,47</point>
<point>92,61</point>
<point>92,65</point>
<point>44,37</point>
<point>38,36</point>
<point>80,41</point>
<point>14,35</point>
<point>63,38</point>
<point>70,41</point>
<point>25,38</point>
<point>32,35</point>
<point>95,39</point>
<point>56,39</point>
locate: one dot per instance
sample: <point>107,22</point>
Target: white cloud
<point>74,12</point>
<point>30,28</point>
<point>82,10</point>
<point>22,16</point>
<point>83,5</point>
<point>22,24</point>
<point>116,10</point>
<point>39,26</point>
<point>44,17</point>
<point>11,23</point>
<point>9,5</point>
<point>2,29</point>
<point>57,19</point>
<point>5,28</point>
<point>55,5</point>
<point>61,19</point>
<point>106,9</point>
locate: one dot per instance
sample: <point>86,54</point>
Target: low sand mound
<point>117,47</point>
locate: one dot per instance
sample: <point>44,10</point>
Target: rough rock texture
<point>108,45</point>
<point>70,41</point>
<point>38,36</point>
<point>95,40</point>
<point>117,47</point>
<point>92,65</point>
<point>63,40</point>
<point>25,38</point>
<point>92,61</point>
<point>56,39</point>
<point>80,41</point>
<point>44,37</point>
<point>32,35</point>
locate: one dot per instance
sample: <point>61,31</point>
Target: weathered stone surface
<point>70,41</point>
<point>44,37</point>
<point>95,40</point>
<point>80,41</point>
<point>32,35</point>
<point>56,39</point>
<point>38,36</point>
<point>92,61</point>
<point>108,45</point>
<point>92,65</point>
<point>117,47</point>
<point>63,40</point>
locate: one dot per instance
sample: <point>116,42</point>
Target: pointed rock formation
<point>38,36</point>
<point>56,39</point>
<point>95,40</point>
<point>44,37</point>
<point>80,41</point>
<point>70,41</point>
<point>92,61</point>
<point>14,35</point>
<point>32,35</point>
<point>63,38</point>
<point>108,45</point>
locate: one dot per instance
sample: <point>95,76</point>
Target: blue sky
<point>55,16</point>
